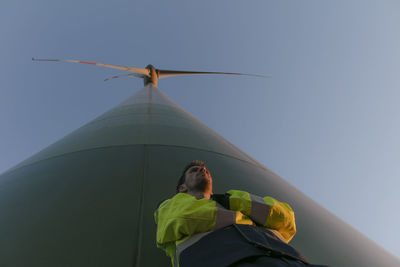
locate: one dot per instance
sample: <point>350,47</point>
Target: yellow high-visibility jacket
<point>183,216</point>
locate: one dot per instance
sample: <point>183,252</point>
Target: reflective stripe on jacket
<point>184,216</point>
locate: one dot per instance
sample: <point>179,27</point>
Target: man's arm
<point>265,211</point>
<point>184,215</point>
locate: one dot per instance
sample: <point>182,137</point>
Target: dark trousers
<point>270,261</point>
<point>240,246</point>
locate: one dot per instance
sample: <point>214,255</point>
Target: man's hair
<point>191,164</point>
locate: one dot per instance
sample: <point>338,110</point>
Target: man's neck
<point>199,195</point>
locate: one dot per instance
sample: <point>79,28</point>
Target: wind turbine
<point>150,75</point>
<point>88,199</point>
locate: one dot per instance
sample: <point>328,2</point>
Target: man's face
<point>198,178</point>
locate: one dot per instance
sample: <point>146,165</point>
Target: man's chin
<point>201,185</point>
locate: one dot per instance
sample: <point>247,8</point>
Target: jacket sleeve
<point>265,211</point>
<point>184,215</point>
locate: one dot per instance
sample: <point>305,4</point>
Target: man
<point>197,228</point>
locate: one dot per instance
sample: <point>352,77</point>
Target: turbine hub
<point>153,79</point>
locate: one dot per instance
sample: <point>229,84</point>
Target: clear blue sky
<point>328,120</point>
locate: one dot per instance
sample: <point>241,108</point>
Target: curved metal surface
<point>88,199</point>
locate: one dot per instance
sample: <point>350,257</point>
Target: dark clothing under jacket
<point>241,245</point>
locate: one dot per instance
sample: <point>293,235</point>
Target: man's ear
<point>182,188</point>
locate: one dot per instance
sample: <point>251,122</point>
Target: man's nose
<point>204,169</point>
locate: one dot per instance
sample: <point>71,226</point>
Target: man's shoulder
<point>175,198</point>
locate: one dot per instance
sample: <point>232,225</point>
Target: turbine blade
<point>125,75</point>
<point>169,73</point>
<point>144,72</point>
